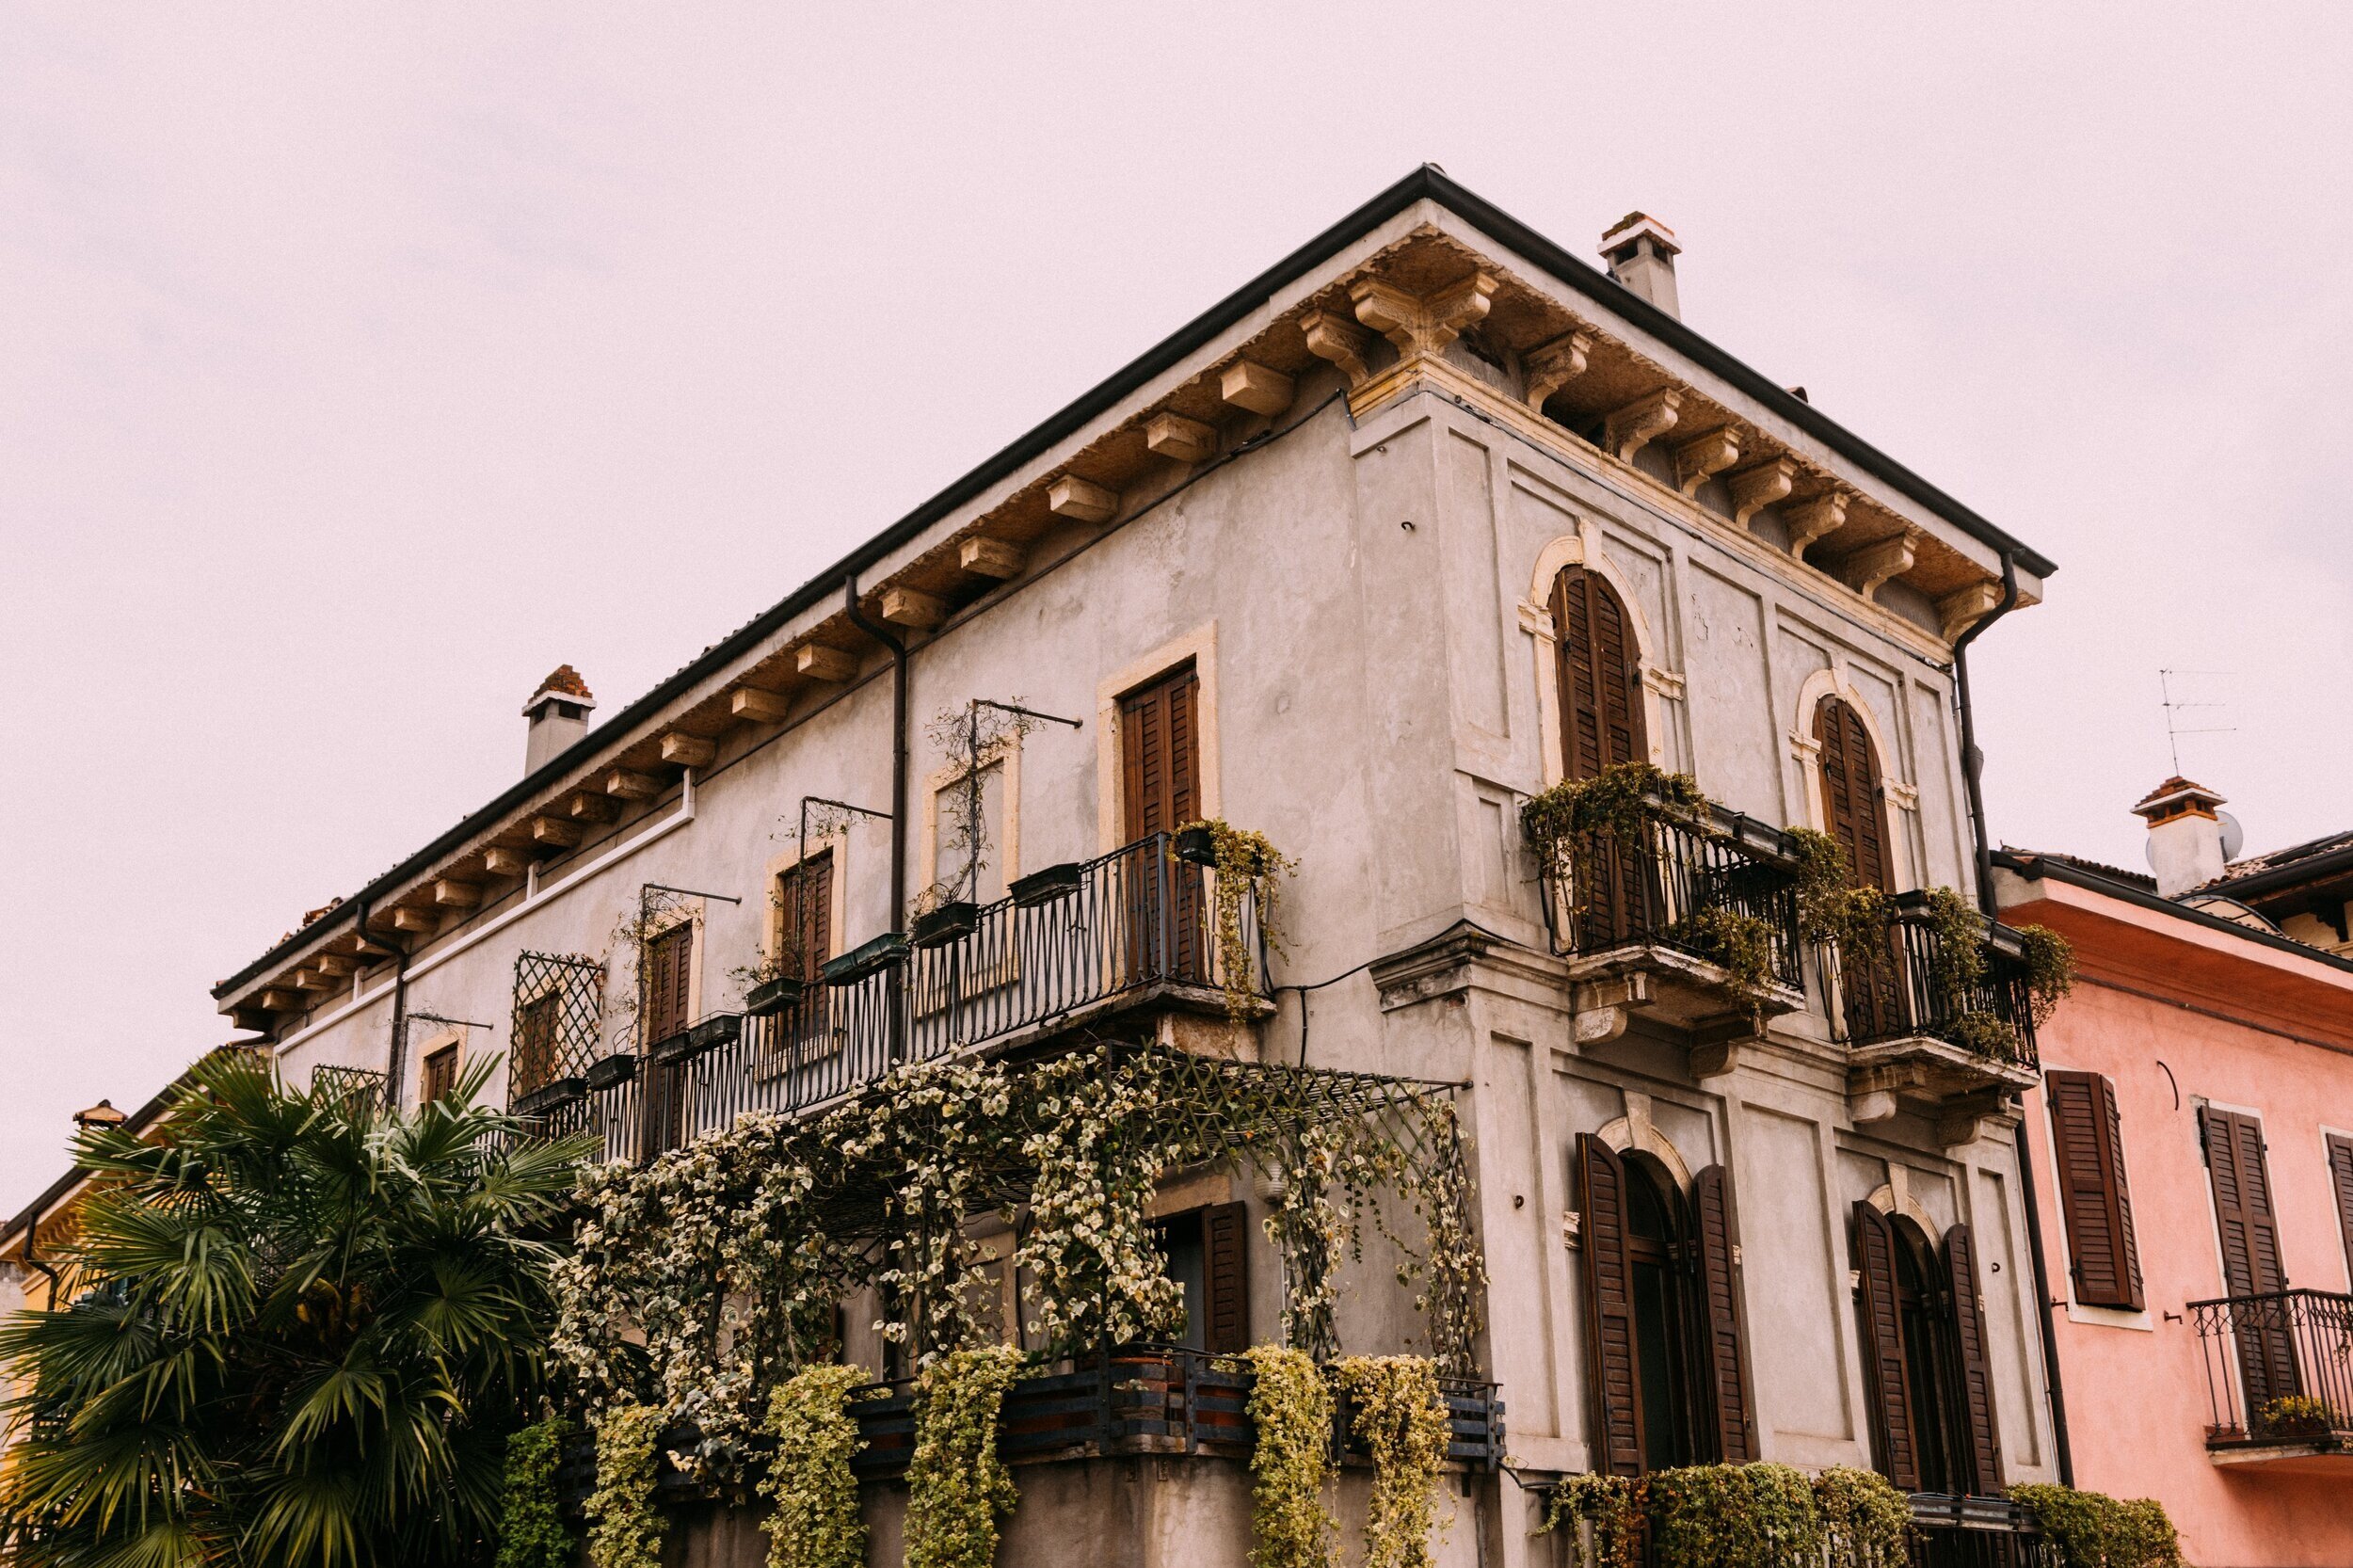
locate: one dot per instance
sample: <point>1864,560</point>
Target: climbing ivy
<point>531,1534</point>
<point>2094,1530</point>
<point>815,1521</point>
<point>1247,863</point>
<point>1290,1464</point>
<point>958,1490</point>
<point>1401,1419</point>
<point>624,1526</point>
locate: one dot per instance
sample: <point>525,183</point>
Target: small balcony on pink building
<point>2279,1376</point>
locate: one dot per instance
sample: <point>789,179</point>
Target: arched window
<point>1669,1370</point>
<point>1925,1350</point>
<point>1600,669</point>
<point>1853,812</point>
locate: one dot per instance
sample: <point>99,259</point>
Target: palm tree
<point>305,1328</point>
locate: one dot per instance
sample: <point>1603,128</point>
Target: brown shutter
<point>668,972</point>
<point>1160,754</point>
<point>1885,1370</point>
<point>1719,1292</point>
<point>2341,1178</point>
<point>1601,711</point>
<point>1225,1277</point>
<point>1617,1438</point>
<point>2249,1232</point>
<point>2086,1135</point>
<point>1976,1373</point>
<point>1850,792</point>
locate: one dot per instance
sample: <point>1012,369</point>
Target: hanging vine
<point>624,1528</point>
<point>530,1532</point>
<point>1401,1419</point>
<point>1247,864</point>
<point>1290,1463</point>
<point>814,1522</point>
<point>958,1490</point>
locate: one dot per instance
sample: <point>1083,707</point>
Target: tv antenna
<point>2174,707</point>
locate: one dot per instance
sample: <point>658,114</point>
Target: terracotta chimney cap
<point>564,681</point>
<point>2177,796</point>
<point>101,1115</point>
<point>1635,226</point>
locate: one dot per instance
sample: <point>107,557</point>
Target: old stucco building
<point>1426,518</point>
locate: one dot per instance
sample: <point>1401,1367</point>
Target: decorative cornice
<point>1419,324</point>
<point>1702,457</point>
<point>1962,608</point>
<point>1554,365</point>
<point>1867,568</point>
<point>1341,342</point>
<point>1629,429</point>
<point>1814,517</point>
<point>1759,486</point>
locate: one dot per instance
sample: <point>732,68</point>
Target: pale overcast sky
<point>362,362</point>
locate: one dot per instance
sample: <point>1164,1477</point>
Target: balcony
<point>1144,1399</point>
<point>1920,1039</point>
<point>1976,1532</point>
<point>1073,947</point>
<point>1642,924</point>
<point>2279,1381</point>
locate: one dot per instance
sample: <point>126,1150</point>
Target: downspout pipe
<point>898,647</point>
<point>1972,779</point>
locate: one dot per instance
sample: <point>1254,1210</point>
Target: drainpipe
<point>394,1064</point>
<point>898,647</point>
<point>1972,776</point>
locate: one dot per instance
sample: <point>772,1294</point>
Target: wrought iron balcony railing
<point>1069,941</point>
<point>2278,1369</point>
<point>1977,1532</point>
<point>1901,988</point>
<point>1663,889</point>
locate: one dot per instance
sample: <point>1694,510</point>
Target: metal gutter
<point>2034,868</point>
<point>1426,183</point>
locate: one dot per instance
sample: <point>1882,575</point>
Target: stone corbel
<point>1341,342</point>
<point>1759,486</point>
<point>1703,457</point>
<point>1640,423</point>
<point>1554,366</point>
<point>1867,568</point>
<point>1814,517</point>
<point>1871,1105</point>
<point>1416,324</point>
<point>1960,610</point>
<point>1602,1007</point>
<point>1971,1117</point>
<point>1902,796</point>
<point>1247,384</point>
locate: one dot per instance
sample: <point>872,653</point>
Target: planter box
<point>720,1028</point>
<point>948,923</point>
<point>612,1072</point>
<point>1196,844</point>
<point>771,997</point>
<point>669,1049</point>
<point>552,1096</point>
<point>1045,887</point>
<point>856,965</point>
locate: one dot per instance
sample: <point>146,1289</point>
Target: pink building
<point>2193,1146</point>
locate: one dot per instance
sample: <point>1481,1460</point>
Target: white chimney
<point>1642,252</point>
<point>2184,835</point>
<point>558,712</point>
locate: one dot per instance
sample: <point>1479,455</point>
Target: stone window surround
<point>1199,646</point>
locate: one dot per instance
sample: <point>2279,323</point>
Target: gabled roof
<point>1426,183</point>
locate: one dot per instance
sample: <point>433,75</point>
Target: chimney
<point>1642,251</point>
<point>2184,835</point>
<point>558,712</point>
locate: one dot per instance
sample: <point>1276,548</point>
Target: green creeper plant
<point>958,1490</point>
<point>1401,1419</point>
<point>2094,1530</point>
<point>625,1529</point>
<point>814,1522</point>
<point>1247,862</point>
<point>1290,1464</point>
<point>1866,1520</point>
<point>530,1532</point>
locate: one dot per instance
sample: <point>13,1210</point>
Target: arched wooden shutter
<point>1984,1451</point>
<point>1852,807</point>
<point>1885,1370</point>
<point>1225,1278</point>
<point>2088,1140</point>
<point>1617,1437</point>
<point>1720,1297</point>
<point>1601,709</point>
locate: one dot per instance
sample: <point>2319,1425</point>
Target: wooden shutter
<point>1160,754</point>
<point>1601,711</point>
<point>2087,1137</point>
<point>2249,1231</point>
<point>1225,1277</point>
<point>1719,1295</point>
<point>2242,1203</point>
<point>669,968</point>
<point>1852,803</point>
<point>1983,1452</point>
<point>534,1066</point>
<point>440,1074</point>
<point>1886,1372</point>
<point>1617,1439</point>
<point>2341,1180</point>
<point>805,898</point>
